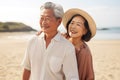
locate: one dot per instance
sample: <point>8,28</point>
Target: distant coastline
<point>15,27</point>
<point>109,28</point>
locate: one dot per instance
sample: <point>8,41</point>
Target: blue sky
<point>106,13</point>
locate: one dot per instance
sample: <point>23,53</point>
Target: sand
<point>106,57</point>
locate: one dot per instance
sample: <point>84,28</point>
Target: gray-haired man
<point>50,56</point>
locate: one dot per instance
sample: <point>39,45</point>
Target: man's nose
<point>44,21</point>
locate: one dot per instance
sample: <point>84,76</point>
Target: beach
<point>106,59</point>
<point>105,53</point>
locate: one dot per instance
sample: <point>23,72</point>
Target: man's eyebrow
<point>45,16</point>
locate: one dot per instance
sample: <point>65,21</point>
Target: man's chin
<point>45,31</point>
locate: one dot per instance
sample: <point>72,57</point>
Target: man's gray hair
<point>58,9</point>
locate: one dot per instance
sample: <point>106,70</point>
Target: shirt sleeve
<point>70,65</point>
<point>26,60</point>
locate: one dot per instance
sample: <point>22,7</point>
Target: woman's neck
<point>77,42</point>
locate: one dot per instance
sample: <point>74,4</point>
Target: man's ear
<point>59,21</point>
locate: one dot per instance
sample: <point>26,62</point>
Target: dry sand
<point>106,57</point>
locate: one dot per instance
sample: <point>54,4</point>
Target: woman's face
<point>76,27</point>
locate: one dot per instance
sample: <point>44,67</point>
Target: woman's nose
<point>73,26</point>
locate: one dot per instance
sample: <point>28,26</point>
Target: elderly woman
<point>80,28</point>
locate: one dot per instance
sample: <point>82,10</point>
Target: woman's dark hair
<point>85,37</point>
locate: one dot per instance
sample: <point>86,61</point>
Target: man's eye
<point>41,18</point>
<point>48,18</point>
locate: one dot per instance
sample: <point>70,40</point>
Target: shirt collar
<point>57,36</point>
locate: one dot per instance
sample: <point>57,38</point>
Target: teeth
<point>73,32</point>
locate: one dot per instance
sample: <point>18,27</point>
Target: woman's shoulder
<point>85,49</point>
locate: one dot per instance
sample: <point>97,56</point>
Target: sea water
<point>101,34</point>
<point>108,33</point>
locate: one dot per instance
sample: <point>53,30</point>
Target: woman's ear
<point>85,31</point>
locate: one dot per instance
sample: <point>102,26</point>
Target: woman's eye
<point>71,23</point>
<point>78,25</point>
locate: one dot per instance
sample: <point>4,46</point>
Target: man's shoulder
<point>33,39</point>
<point>66,42</point>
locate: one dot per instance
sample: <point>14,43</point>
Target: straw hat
<point>71,12</point>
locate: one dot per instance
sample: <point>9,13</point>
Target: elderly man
<point>50,56</point>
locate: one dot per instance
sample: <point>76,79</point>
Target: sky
<point>106,13</point>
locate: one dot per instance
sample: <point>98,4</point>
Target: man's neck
<point>49,36</point>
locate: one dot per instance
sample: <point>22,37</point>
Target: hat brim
<point>71,12</point>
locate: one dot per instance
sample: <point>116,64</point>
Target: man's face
<point>48,21</point>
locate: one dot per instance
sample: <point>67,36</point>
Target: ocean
<point>112,33</point>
